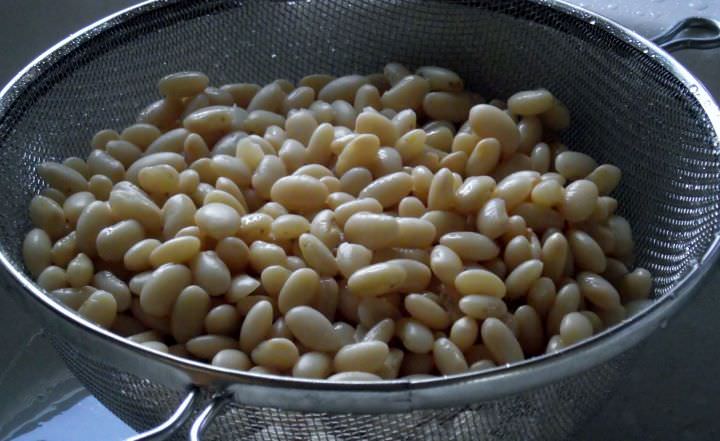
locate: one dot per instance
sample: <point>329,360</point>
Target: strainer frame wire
<point>361,397</point>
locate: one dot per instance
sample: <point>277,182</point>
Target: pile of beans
<point>353,228</point>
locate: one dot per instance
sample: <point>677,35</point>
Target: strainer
<point>632,104</point>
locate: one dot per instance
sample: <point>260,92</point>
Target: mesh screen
<point>549,413</point>
<point>627,110</point>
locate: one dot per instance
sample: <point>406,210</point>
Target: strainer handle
<point>671,41</point>
<point>177,419</point>
<point>206,416</point>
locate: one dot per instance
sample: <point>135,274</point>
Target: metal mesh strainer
<point>632,105</point>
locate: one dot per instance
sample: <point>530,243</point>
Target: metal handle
<point>180,416</point>
<point>177,419</point>
<point>207,415</point>
<point>671,41</point>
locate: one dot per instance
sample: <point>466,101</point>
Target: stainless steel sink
<point>670,394</point>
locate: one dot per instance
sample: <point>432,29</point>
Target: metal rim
<point>400,394</point>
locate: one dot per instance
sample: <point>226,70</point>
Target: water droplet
<point>273,56</point>
<point>593,21</point>
<point>639,13</point>
<point>698,5</point>
<point>693,88</point>
<point>611,6</point>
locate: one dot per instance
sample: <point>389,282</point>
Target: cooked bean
<point>482,307</point>
<point>210,273</point>
<point>447,106</point>
<point>183,84</point>
<point>232,359</point>
<point>313,365</point>
<point>312,329</point>
<point>299,193</point>
<point>352,376</point>
<point>99,308</point>
<point>471,246</point>
<point>598,290</point>
<point>480,281</point>
<point>371,122</point>
<point>541,296</point>
<point>276,353</point>
<point>554,253</point>
<point>448,357</point>
<point>446,264</point>
<point>254,227</point>
<point>347,210</point>
<point>472,195</point>
<point>376,280</point>
<point>417,275</point>
<point>383,331</point>
<point>574,328</point>
<point>623,236</point>
<point>351,258</point>
<point>128,202</point>
<point>374,231</point>
<point>160,292</point>
<point>75,204</point>
<point>416,337</point>
<point>566,301</point>
<point>414,233</point>
<point>317,255</point>
<point>47,215</point>
<point>223,320</point>
<point>101,138</point>
<point>63,177</point>
<point>137,257</point>
<point>55,194</point>
<point>411,145</point>
<point>408,93</point>
<point>587,253</point>
<point>256,326</point>
<point>411,207</point>
<point>492,219</point>
<point>522,278</point>
<point>441,79</point>
<point>490,122</point>
<point>531,102</point>
<point>441,194</point>
<point>269,98</point>
<point>218,220</point>
<point>367,96</point>
<point>517,251</point>
<point>37,251</point>
<point>80,271</point>
<point>188,313</point>
<point>343,88</point>
<point>388,190</point>
<point>606,177</point>
<point>426,311</point>
<point>580,200</point>
<point>464,332</point>
<point>501,342</point>
<point>206,347</point>
<point>115,240</point>
<point>52,278</point>
<point>531,335</point>
<point>62,251</point>
<point>636,285</point>
<point>107,281</point>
